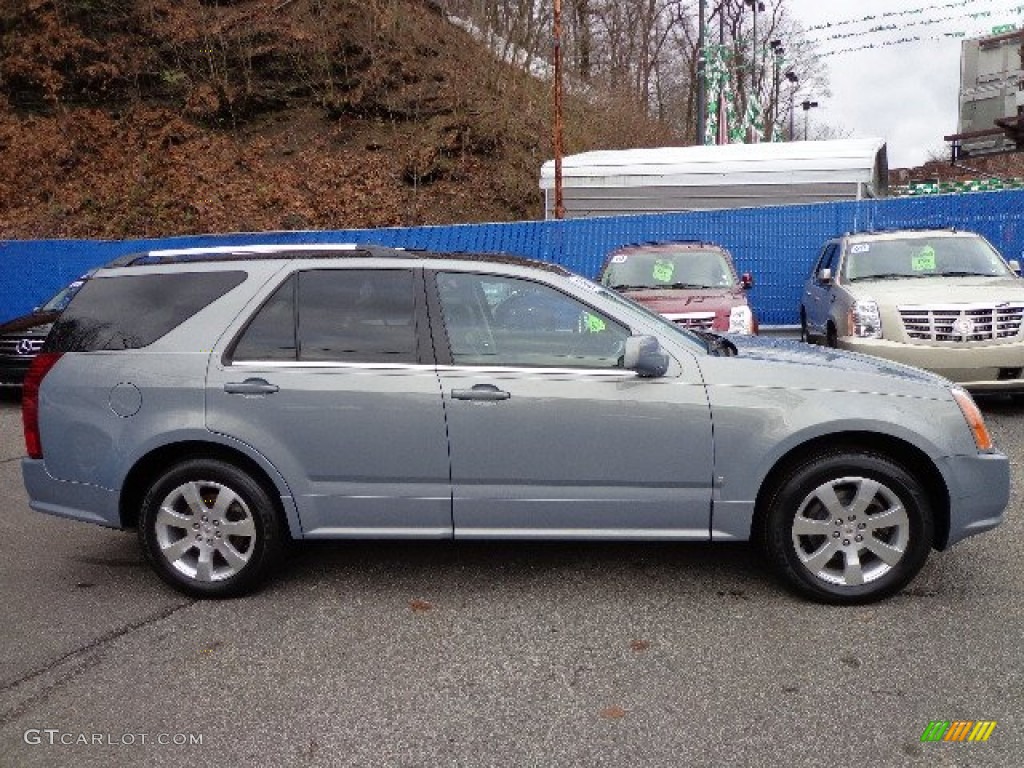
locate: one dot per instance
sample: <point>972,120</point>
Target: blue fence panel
<point>776,245</point>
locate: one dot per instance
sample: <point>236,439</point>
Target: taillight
<point>41,365</point>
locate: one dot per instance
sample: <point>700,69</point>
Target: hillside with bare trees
<point>125,118</point>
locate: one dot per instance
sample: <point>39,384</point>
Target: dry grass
<point>126,119</point>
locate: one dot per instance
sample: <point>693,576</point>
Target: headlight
<point>865,321</point>
<point>741,320</point>
<point>982,439</point>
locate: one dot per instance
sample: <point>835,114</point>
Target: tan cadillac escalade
<point>943,300</point>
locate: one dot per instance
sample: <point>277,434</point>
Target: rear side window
<point>133,311</point>
<point>344,315</point>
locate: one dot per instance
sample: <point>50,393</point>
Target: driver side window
<point>503,321</point>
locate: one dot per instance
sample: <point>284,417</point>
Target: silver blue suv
<point>227,401</point>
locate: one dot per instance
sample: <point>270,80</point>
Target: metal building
<point>606,183</point>
<point>991,93</point>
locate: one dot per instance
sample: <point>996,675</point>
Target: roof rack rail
<point>260,251</point>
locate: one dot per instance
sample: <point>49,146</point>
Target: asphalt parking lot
<point>500,654</point>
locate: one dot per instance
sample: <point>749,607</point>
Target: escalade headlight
<point>741,320</point>
<point>865,320</point>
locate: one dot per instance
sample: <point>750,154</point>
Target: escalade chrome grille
<point>701,320</point>
<point>963,322</point>
<point>20,346</point>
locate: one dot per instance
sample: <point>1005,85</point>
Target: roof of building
<point>796,162</point>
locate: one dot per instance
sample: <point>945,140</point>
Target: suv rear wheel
<point>209,529</point>
<point>849,527</point>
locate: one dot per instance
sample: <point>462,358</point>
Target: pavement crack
<point>79,654</point>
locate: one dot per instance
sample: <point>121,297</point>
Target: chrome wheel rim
<point>205,531</point>
<point>851,531</point>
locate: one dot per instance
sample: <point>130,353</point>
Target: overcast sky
<point>906,93</point>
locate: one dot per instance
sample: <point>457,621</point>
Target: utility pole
<point>723,127</point>
<point>702,88</point>
<point>559,133</point>
<point>793,80</point>
<point>778,52</point>
<point>756,5</point>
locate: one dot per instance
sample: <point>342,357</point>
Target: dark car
<point>21,338</point>
<point>693,284</point>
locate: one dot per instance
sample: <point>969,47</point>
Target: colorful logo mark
<point>958,730</point>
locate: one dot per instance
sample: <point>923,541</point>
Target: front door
<point>818,293</point>
<point>550,436</point>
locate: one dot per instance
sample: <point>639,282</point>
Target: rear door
<point>550,437</point>
<point>332,380</point>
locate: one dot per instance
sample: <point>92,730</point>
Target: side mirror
<point>1015,265</point>
<point>746,281</point>
<point>825,275</point>
<point>644,355</point>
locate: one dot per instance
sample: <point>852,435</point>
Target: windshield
<point>667,268</point>
<point>62,298</point>
<point>965,256</point>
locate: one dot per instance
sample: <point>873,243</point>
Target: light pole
<point>702,64</point>
<point>793,80</point>
<point>807,106</point>
<point>755,5</point>
<point>779,51</point>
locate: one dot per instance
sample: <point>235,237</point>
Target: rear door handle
<point>251,387</point>
<point>481,392</point>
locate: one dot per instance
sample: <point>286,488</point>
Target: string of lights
<point>977,16</point>
<point>906,40</point>
<point>1001,20</point>
<point>828,25</point>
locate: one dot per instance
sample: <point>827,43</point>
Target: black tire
<point>209,529</point>
<point>820,550</point>
<point>805,337</point>
<point>831,337</point>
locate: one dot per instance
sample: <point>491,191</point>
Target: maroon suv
<point>691,283</point>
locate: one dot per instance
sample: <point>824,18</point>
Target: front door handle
<point>481,392</point>
<point>251,387</point>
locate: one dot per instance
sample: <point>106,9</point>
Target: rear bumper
<point>979,491</point>
<point>997,368</point>
<point>77,501</point>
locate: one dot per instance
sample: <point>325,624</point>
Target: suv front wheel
<point>850,527</point>
<point>209,529</point>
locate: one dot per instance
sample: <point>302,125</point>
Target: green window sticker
<point>663,270</point>
<point>593,323</point>
<point>924,261</point>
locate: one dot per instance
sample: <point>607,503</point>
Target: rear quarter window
<point>133,311</point>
